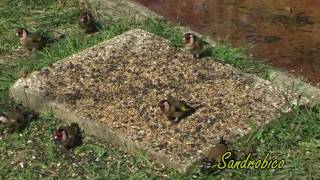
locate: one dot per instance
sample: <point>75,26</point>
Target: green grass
<point>238,58</point>
<point>294,138</point>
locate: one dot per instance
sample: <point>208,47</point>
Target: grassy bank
<point>30,154</point>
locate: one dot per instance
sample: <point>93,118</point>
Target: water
<point>284,33</point>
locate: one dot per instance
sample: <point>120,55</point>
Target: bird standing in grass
<point>68,137</point>
<point>15,120</point>
<point>175,109</point>
<point>194,44</point>
<point>30,40</point>
<point>213,157</point>
<point>87,22</point>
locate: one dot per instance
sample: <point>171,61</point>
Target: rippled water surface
<point>286,33</point>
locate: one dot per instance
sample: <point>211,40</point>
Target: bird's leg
<point>176,119</point>
<point>62,149</point>
<point>11,130</point>
<point>196,55</point>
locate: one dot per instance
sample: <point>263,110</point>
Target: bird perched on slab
<point>175,109</point>
<point>68,137</point>
<point>194,44</point>
<point>88,23</point>
<point>15,120</point>
<point>214,156</point>
<point>30,40</point>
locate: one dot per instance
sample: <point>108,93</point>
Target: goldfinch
<point>194,44</point>
<point>214,156</point>
<point>174,109</point>
<point>15,120</point>
<point>68,137</point>
<point>30,40</point>
<point>87,22</point>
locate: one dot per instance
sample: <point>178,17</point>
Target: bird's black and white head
<point>223,141</point>
<point>189,38</point>
<point>21,33</point>
<point>164,105</point>
<point>60,135</point>
<point>3,118</point>
<point>85,17</point>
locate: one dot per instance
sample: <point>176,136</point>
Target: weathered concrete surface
<point>117,9</point>
<point>289,82</point>
<point>112,91</point>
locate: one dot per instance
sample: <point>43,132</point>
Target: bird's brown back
<point>216,152</point>
<point>14,119</point>
<point>74,134</point>
<point>32,41</point>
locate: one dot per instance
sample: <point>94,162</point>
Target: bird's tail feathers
<point>57,35</point>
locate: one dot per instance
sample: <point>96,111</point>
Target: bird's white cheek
<point>3,120</point>
<point>167,107</point>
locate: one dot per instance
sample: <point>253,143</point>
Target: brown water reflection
<point>285,33</point>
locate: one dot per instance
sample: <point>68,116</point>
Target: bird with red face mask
<point>174,109</point>
<point>88,23</point>
<point>68,137</point>
<point>194,44</point>
<point>15,120</point>
<point>30,40</point>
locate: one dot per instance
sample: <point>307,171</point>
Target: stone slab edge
<point>37,102</point>
<point>127,8</point>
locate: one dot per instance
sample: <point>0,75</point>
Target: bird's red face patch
<point>58,135</point>
<point>187,38</point>
<point>20,32</point>
<point>162,105</point>
<point>83,18</point>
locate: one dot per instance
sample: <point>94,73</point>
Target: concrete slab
<point>290,82</point>
<point>112,91</point>
<point>117,9</point>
